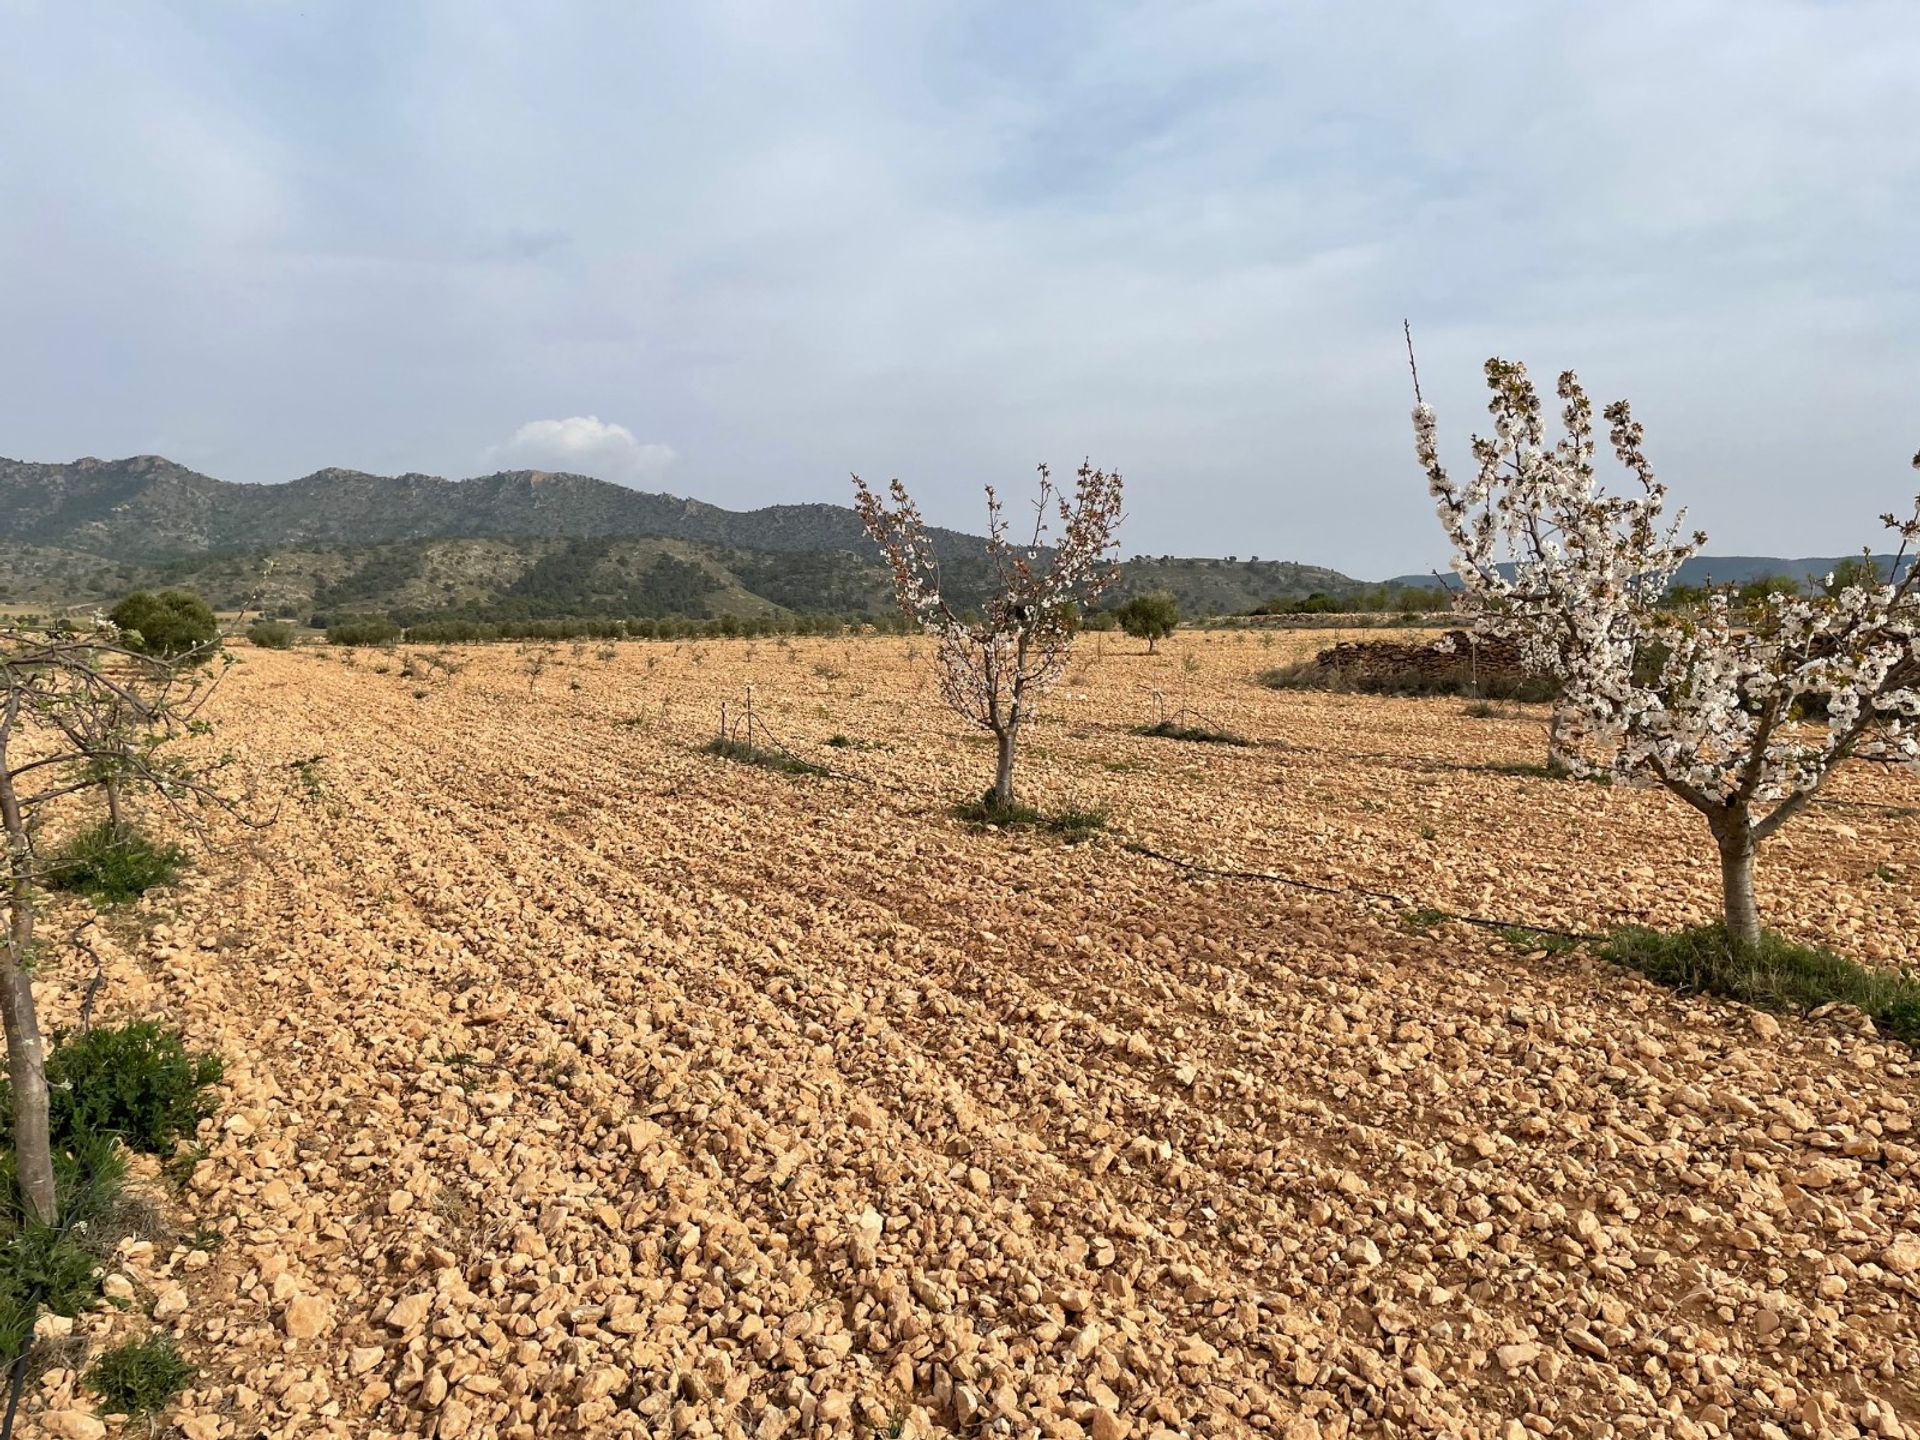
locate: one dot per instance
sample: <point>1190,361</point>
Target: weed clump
<point>743,753</point>
<point>1073,824</point>
<point>114,865</point>
<point>140,1377</point>
<point>136,1082</point>
<point>1776,974</point>
<point>1196,734</point>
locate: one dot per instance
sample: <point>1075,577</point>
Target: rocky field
<point>583,1084</point>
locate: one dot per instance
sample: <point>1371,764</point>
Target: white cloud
<point>584,445</point>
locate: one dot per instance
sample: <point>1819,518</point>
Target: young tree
<point>994,667</point>
<point>1718,706</point>
<point>79,713</point>
<point>1150,616</point>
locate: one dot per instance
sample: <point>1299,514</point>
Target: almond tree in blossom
<point>1742,712</point>
<point>993,667</point>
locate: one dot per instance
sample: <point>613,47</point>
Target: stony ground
<point>583,1084</point>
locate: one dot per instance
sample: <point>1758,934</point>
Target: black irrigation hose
<point>16,1383</point>
<point>1398,902</point>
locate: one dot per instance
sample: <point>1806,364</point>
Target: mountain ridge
<point>81,529</point>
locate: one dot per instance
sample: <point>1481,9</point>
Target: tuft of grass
<point>1074,824</point>
<point>55,1268</point>
<point>1521,938</point>
<point>140,1377</point>
<point>1482,710</point>
<point>1198,734</point>
<point>114,866</point>
<point>1425,918</point>
<point>1776,974</point>
<point>742,753</point>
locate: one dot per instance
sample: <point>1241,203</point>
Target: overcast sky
<point>737,250</point>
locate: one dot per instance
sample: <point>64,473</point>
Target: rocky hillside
<point>519,544</point>
<point>150,508</point>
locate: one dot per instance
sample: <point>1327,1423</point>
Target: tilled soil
<point>584,1084</point>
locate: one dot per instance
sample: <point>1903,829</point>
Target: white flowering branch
<point>1742,712</point>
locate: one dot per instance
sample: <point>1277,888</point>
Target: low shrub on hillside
<point>271,635</point>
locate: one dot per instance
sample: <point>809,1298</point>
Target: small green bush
<point>271,635</point>
<point>114,866</point>
<point>135,1081</point>
<point>140,1377</point>
<point>172,623</point>
<point>1776,974</point>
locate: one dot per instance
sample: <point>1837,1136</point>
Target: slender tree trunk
<point>1002,795</point>
<point>1735,839</point>
<point>26,1051</point>
<point>116,813</point>
<point>1558,758</point>
<point>1152,640</point>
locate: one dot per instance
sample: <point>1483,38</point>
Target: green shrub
<point>171,623</point>
<point>113,867</point>
<point>140,1377</point>
<point>271,635</point>
<point>1776,974</point>
<point>372,630</point>
<point>135,1081</point>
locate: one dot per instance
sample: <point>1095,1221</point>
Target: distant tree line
<point>1370,600</point>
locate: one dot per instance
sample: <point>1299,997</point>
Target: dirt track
<point>583,1084</point>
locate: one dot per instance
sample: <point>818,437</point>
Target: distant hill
<point>1720,569</point>
<point>517,544</point>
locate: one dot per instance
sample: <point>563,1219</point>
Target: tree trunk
<point>1001,795</point>
<point>116,813</point>
<point>26,1051</point>
<point>1735,840</point>
<point>1152,640</point>
<point>1559,760</point>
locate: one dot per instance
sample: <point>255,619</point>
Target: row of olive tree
<point>1741,711</point>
